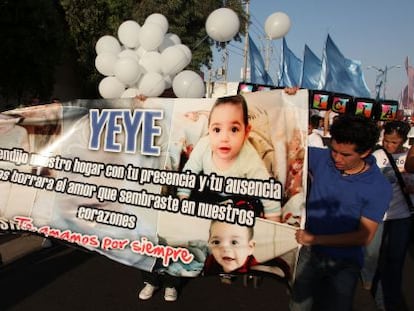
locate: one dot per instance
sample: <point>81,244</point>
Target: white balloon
<point>151,36</point>
<point>128,33</point>
<point>174,59</point>
<point>129,53</point>
<point>186,51</point>
<point>130,93</point>
<point>151,84</point>
<point>277,25</point>
<point>110,87</point>
<point>168,81</point>
<point>136,84</point>
<point>151,62</point>
<point>159,19</point>
<point>170,39</point>
<point>222,24</point>
<point>107,44</point>
<point>188,84</point>
<point>140,51</point>
<point>127,70</point>
<point>105,63</point>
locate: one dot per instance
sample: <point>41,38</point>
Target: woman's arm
<point>409,161</point>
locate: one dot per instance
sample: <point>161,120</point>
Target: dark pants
<point>395,244</point>
<point>161,279</point>
<point>323,283</point>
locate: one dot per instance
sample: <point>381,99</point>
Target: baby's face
<point>227,131</point>
<point>230,245</point>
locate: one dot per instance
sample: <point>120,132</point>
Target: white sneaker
<point>147,291</point>
<point>170,294</point>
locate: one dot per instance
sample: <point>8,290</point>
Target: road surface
<point>64,278</point>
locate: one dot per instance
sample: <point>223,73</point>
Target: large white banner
<point>104,174</point>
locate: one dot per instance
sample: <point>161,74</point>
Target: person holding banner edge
<point>348,198</point>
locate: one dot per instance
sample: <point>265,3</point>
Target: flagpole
<point>384,72</point>
<point>408,82</point>
<point>246,42</point>
<point>267,53</point>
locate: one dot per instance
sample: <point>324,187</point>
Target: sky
<point>375,32</point>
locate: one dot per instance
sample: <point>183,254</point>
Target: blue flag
<point>311,72</point>
<point>342,74</point>
<point>290,67</point>
<point>258,73</point>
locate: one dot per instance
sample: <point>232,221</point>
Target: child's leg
<point>152,278</point>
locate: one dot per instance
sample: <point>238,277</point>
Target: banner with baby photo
<point>162,184</point>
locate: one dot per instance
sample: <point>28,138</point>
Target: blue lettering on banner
<point>125,124</point>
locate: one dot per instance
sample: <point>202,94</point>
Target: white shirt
<point>398,207</point>
<point>315,140</point>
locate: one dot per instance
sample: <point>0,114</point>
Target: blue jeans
<point>323,283</point>
<point>396,241</point>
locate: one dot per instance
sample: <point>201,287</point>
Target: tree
<point>88,20</point>
<point>32,38</point>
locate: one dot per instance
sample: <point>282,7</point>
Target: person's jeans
<point>371,258</point>
<point>323,283</point>
<point>396,242</point>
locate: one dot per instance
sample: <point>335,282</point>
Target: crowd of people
<point>384,252</point>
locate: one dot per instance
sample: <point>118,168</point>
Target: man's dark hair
<point>358,130</point>
<point>314,121</point>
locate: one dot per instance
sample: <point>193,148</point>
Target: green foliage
<point>31,36</point>
<point>87,21</point>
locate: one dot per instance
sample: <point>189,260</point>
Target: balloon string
<point>199,42</point>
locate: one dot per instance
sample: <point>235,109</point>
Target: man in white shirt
<point>314,138</point>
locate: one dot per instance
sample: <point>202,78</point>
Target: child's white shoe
<point>170,294</point>
<point>147,291</point>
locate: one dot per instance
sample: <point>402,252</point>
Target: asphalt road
<point>63,278</point>
<point>69,279</point>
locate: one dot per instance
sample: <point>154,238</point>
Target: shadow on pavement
<point>26,276</point>
<point>64,278</point>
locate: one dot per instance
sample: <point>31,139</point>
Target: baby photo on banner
<point>187,186</point>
